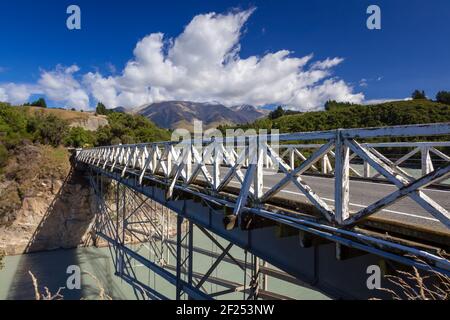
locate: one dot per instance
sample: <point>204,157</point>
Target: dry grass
<point>68,115</point>
<point>101,291</point>
<point>47,295</point>
<point>415,286</point>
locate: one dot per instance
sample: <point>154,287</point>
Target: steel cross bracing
<point>128,221</point>
<point>182,164</point>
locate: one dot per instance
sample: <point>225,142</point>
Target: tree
<point>38,103</point>
<point>443,97</point>
<point>101,109</point>
<point>277,113</point>
<point>418,95</point>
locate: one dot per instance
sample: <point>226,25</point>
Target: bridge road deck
<point>405,212</point>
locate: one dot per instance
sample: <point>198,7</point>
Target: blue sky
<point>412,50</point>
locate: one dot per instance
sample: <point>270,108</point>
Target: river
<point>50,270</point>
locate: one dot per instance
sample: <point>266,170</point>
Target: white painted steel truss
<point>135,227</point>
<point>216,163</point>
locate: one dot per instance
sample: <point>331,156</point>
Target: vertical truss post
<point>121,216</point>
<point>184,257</point>
<point>259,170</point>
<point>179,258</point>
<point>324,164</point>
<point>265,279</point>
<point>190,251</point>
<point>216,164</point>
<point>168,234</point>
<point>163,232</point>
<point>426,163</point>
<point>292,158</point>
<point>366,170</point>
<point>188,162</point>
<point>117,228</point>
<point>341,188</point>
<point>254,282</point>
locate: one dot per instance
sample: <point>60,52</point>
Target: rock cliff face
<point>92,123</point>
<point>44,203</point>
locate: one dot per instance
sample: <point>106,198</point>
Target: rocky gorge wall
<point>45,204</point>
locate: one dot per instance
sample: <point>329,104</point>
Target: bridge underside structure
<point>314,246</point>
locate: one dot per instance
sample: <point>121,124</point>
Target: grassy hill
<point>342,115</point>
<point>64,114</point>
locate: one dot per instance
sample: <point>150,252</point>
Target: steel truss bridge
<point>315,209</point>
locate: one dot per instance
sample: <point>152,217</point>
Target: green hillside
<point>343,115</point>
<point>18,126</point>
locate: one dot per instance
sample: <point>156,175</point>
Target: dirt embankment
<point>44,204</point>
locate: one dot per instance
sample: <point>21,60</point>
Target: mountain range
<point>182,114</point>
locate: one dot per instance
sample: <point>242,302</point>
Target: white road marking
<point>357,205</point>
<point>374,183</point>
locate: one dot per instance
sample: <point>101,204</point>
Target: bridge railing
<point>249,161</point>
<point>417,161</point>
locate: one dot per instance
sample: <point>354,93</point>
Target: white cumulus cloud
<point>15,93</point>
<point>58,85</point>
<point>201,64</point>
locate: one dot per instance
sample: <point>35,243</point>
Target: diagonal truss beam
<point>412,187</point>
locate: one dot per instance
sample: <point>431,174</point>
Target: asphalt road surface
<point>362,194</point>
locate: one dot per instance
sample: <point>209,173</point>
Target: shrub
<point>49,129</point>
<point>78,137</point>
<point>443,97</point>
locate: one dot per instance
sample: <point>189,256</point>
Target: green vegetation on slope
<point>21,124</point>
<point>126,128</point>
<point>18,123</point>
<point>344,115</point>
